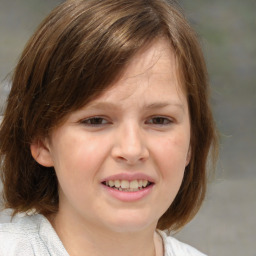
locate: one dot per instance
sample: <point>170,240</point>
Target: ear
<point>40,151</point>
<point>188,156</point>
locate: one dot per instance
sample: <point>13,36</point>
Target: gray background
<point>226,224</point>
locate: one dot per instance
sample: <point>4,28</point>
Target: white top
<point>35,236</point>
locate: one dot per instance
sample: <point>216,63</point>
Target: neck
<point>87,240</point>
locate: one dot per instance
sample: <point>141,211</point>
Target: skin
<point>140,125</point>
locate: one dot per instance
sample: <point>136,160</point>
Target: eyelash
<point>101,121</point>
<point>163,121</point>
<point>95,121</point>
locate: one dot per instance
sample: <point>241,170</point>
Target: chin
<point>131,223</point>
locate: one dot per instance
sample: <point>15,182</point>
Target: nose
<point>130,145</point>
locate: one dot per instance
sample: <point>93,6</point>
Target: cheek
<point>76,166</point>
<point>79,158</point>
<point>170,162</point>
<point>172,153</point>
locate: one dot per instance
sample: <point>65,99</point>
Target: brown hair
<point>76,53</point>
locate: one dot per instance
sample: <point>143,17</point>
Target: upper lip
<point>129,177</point>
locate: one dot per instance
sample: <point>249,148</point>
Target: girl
<point>106,133</point>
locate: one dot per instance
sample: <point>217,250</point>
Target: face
<point>120,159</point>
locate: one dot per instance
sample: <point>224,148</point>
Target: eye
<point>95,121</point>
<point>159,120</point>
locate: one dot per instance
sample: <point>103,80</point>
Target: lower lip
<point>129,196</point>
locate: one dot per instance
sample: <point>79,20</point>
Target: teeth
<point>111,183</point>
<point>117,183</point>
<point>125,185</point>
<point>134,184</point>
<point>144,183</point>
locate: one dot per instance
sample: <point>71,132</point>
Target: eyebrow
<point>102,105</point>
<point>158,105</point>
<point>151,106</point>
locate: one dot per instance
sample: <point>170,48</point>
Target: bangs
<point>88,48</point>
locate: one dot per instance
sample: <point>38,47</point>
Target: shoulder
<point>21,237</point>
<point>174,247</point>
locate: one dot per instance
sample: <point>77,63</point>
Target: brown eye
<point>95,121</point>
<point>159,120</point>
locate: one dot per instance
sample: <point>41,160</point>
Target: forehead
<point>149,79</point>
<point>157,57</point>
<point>147,70</point>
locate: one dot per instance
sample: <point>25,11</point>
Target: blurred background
<point>226,224</point>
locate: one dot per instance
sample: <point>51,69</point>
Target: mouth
<point>127,186</point>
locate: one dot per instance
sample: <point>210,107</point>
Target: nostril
<point>130,159</point>
<point>130,146</point>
